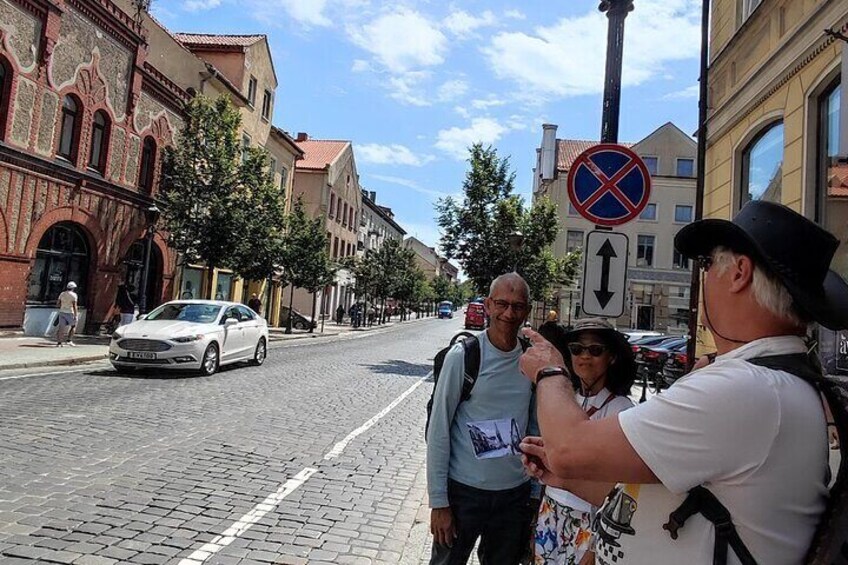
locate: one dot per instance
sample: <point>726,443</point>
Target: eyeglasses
<point>704,262</point>
<point>517,307</point>
<point>594,349</point>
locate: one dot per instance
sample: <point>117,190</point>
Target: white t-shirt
<point>756,438</point>
<point>613,407</point>
<point>66,301</point>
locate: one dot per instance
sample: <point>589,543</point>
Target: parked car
<point>675,367</point>
<point>445,309</point>
<point>299,321</point>
<point>651,358</point>
<point>650,340</point>
<point>475,316</point>
<point>635,335</point>
<point>200,335</point>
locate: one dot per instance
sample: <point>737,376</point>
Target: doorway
<point>644,317</point>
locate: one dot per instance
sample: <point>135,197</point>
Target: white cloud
<point>463,24</point>
<point>456,140</point>
<point>462,111</point>
<point>515,15</point>
<point>568,58</point>
<point>407,88</point>
<point>200,5</point>
<point>394,154</point>
<point>360,66</point>
<point>402,41</point>
<point>400,181</point>
<point>486,103</point>
<point>451,90</point>
<point>689,92</point>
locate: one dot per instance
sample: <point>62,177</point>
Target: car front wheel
<point>260,353</point>
<point>211,360</point>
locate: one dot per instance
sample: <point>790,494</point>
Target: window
<point>148,163</point>
<point>344,215</point>
<point>686,167</point>
<point>266,105</point>
<point>99,142</point>
<point>350,218</point>
<point>748,7</point>
<point>682,214</point>
<point>652,163</point>
<point>284,179</point>
<point>245,147</point>
<point>572,211</point>
<point>223,286</point>
<point>762,166</point>
<point>649,213</point>
<point>5,93</point>
<point>679,261</point>
<point>272,166</point>
<point>69,129</point>
<point>62,256</point>
<point>332,206</point>
<point>335,247</point>
<point>573,240</point>
<point>645,251</point>
<point>251,91</point>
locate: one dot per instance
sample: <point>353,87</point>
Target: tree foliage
<point>306,259</point>
<point>477,230</point>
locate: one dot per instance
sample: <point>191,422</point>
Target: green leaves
<point>305,256</point>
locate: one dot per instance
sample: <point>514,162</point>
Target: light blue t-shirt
<point>500,393</point>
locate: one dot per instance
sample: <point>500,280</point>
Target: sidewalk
<point>21,352</point>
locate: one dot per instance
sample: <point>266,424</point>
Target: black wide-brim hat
<point>794,249</point>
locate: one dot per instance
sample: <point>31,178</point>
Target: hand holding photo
<point>495,438</point>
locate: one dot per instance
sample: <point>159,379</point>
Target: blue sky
<point>413,83</point>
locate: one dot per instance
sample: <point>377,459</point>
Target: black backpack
<point>830,542</point>
<point>471,349</point>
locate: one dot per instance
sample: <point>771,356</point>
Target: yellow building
<point>773,129</point>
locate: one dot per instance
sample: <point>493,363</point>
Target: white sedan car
<point>191,334</point>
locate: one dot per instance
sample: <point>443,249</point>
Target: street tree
<point>441,288</point>
<point>207,187</point>
<point>479,229</point>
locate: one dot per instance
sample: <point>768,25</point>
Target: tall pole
<point>616,11</point>
<point>695,287</point>
<point>145,273</point>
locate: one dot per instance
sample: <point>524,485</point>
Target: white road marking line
<point>339,447</point>
<point>245,522</point>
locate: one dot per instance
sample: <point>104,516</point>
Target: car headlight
<point>187,338</point>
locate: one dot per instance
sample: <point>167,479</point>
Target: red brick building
<point>83,119</point>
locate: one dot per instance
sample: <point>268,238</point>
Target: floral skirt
<point>563,535</point>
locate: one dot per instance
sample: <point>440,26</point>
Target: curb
<point>55,363</point>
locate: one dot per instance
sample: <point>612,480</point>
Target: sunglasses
<point>704,262</point>
<point>594,349</point>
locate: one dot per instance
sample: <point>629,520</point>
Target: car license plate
<point>141,355</point>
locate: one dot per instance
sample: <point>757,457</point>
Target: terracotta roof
<point>218,40</point>
<point>837,185</point>
<point>569,149</point>
<point>318,153</point>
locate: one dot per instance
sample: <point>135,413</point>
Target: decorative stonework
<point>22,33</point>
<point>47,127</point>
<point>4,185</point>
<point>163,124</point>
<point>24,103</point>
<point>117,154</point>
<point>91,85</point>
<point>81,40</point>
<point>132,156</point>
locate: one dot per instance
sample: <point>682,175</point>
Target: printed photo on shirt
<point>495,438</point>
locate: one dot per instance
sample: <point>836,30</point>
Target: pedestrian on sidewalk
<point>340,314</point>
<point>738,435</point>
<point>601,359</point>
<point>126,304</point>
<point>68,315</point>
<point>254,303</point>
<point>474,491</point>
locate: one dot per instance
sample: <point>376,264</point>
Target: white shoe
<point>72,344</point>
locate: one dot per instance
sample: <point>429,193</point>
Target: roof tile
<point>318,153</point>
<point>220,40</point>
<point>569,149</point>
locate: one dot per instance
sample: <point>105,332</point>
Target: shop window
<point>645,251</point>
<point>62,256</point>
<point>573,240</point>
<point>99,142</point>
<point>224,286</point>
<point>686,167</point>
<point>69,128</point>
<point>192,283</point>
<point>148,164</point>
<point>251,91</point>
<point>5,93</point>
<point>762,166</point>
<point>649,213</point>
<point>652,163</point>
<point>683,214</point>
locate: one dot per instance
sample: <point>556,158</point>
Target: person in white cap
<point>68,315</point>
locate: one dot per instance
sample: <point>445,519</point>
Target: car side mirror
<point>230,322</point>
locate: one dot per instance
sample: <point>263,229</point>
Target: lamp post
<point>616,11</point>
<point>516,242</point>
<point>152,216</point>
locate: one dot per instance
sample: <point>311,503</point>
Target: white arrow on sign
<point>605,274</point>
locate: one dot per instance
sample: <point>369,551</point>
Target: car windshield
<point>186,312</point>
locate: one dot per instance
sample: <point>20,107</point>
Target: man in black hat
<point>754,437</point>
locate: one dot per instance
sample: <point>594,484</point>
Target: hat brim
<point>827,305</point>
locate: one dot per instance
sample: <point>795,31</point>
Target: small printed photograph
<point>495,438</point>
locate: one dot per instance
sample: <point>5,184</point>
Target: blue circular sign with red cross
<point>609,184</point>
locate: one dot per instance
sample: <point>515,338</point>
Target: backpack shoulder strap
<point>471,349</point>
<point>591,411</point>
<point>798,364</point>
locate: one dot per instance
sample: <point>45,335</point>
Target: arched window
<point>762,166</point>
<point>62,256</point>
<point>5,93</point>
<point>69,128</point>
<point>148,164</point>
<point>99,142</point>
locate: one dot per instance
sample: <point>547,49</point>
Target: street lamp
<point>152,216</point>
<point>516,242</point>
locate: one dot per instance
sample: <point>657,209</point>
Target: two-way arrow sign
<point>605,274</point>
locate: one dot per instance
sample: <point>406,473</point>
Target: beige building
<point>376,225</point>
<point>327,181</point>
<point>777,127</point>
<point>658,278</point>
<point>429,261</point>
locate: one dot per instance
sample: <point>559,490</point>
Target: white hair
<point>768,291</point>
<point>512,277</point>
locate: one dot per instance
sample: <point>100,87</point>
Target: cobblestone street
<point>314,457</point>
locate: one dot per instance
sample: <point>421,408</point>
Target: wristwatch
<point>549,372</point>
